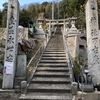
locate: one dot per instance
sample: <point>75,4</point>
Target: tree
<point>4,18</point>
<point>0,18</point>
<point>48,11</point>
<point>5,5</point>
<point>23,18</point>
<point>76,8</point>
<point>33,11</point>
<point>44,4</point>
<point>3,15</point>
<point>62,5</point>
<point>99,11</point>
<point>78,63</point>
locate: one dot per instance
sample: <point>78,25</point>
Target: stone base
<point>88,96</point>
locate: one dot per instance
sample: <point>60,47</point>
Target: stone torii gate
<point>11,44</point>
<point>62,22</point>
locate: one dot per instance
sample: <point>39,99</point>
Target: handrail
<point>70,61</point>
<point>34,56</point>
<point>29,80</point>
<point>31,76</point>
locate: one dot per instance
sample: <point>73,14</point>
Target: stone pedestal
<point>21,66</point>
<point>88,96</point>
<point>23,87</point>
<point>40,34</point>
<point>11,44</point>
<point>93,42</point>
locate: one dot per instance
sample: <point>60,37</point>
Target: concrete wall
<point>72,45</point>
<point>77,44</point>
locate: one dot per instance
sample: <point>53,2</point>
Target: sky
<point>22,2</point>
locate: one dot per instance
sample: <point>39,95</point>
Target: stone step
<point>53,58</point>
<point>46,96</point>
<point>65,69</point>
<point>53,61</point>
<point>54,74</point>
<point>49,87</point>
<point>57,50</point>
<point>33,97</point>
<point>47,50</point>
<point>53,64</point>
<point>52,48</point>
<point>52,42</point>
<point>49,80</point>
<point>54,52</point>
<point>52,55</point>
<point>55,47</point>
<point>55,44</point>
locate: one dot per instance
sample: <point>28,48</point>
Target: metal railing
<point>36,65</point>
<point>33,72</point>
<point>34,56</point>
<point>68,57</point>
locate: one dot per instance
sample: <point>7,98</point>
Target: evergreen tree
<point>23,18</point>
<point>4,18</point>
<point>62,5</point>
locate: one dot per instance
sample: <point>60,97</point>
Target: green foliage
<point>23,17</point>
<point>0,18</point>
<point>62,5</point>
<point>48,11</point>
<point>4,18</point>
<point>67,8</point>
<point>99,11</point>
<point>76,8</point>
<point>5,5</point>
<point>33,11</point>
<point>78,63</point>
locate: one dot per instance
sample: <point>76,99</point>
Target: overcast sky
<point>22,2</point>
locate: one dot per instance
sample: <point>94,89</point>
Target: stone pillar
<point>93,44</point>
<point>11,44</point>
<point>50,28</point>
<point>23,87</point>
<point>64,28</point>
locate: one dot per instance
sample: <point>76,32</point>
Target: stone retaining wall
<point>22,34</point>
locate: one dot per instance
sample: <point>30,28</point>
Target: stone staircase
<point>52,79</point>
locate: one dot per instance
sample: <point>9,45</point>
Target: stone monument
<point>11,44</point>
<point>93,42</point>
